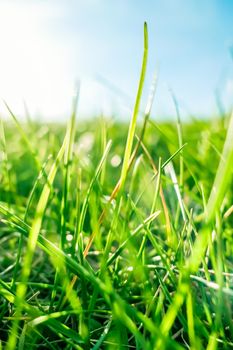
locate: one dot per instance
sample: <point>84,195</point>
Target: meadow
<point>116,236</point>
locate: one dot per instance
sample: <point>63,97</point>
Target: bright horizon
<point>46,46</point>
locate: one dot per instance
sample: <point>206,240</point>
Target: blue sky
<point>48,45</point>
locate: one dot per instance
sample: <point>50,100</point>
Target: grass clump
<point>104,246</point>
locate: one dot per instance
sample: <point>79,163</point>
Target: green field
<point>116,236</point>
<point>158,273</point>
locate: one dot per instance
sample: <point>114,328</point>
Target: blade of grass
<point>128,157</point>
<point>67,166</point>
<point>24,137</point>
<point>70,134</point>
<point>223,175</point>
<point>132,126</point>
<point>31,245</point>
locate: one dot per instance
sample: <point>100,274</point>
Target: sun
<point>32,68</point>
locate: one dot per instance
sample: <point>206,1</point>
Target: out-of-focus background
<point>46,46</point>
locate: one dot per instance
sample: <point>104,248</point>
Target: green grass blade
<point>31,245</point>
<point>132,127</point>
<point>223,176</point>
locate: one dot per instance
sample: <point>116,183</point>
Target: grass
<point>114,237</point>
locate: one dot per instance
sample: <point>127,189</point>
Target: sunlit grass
<point>136,287</point>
